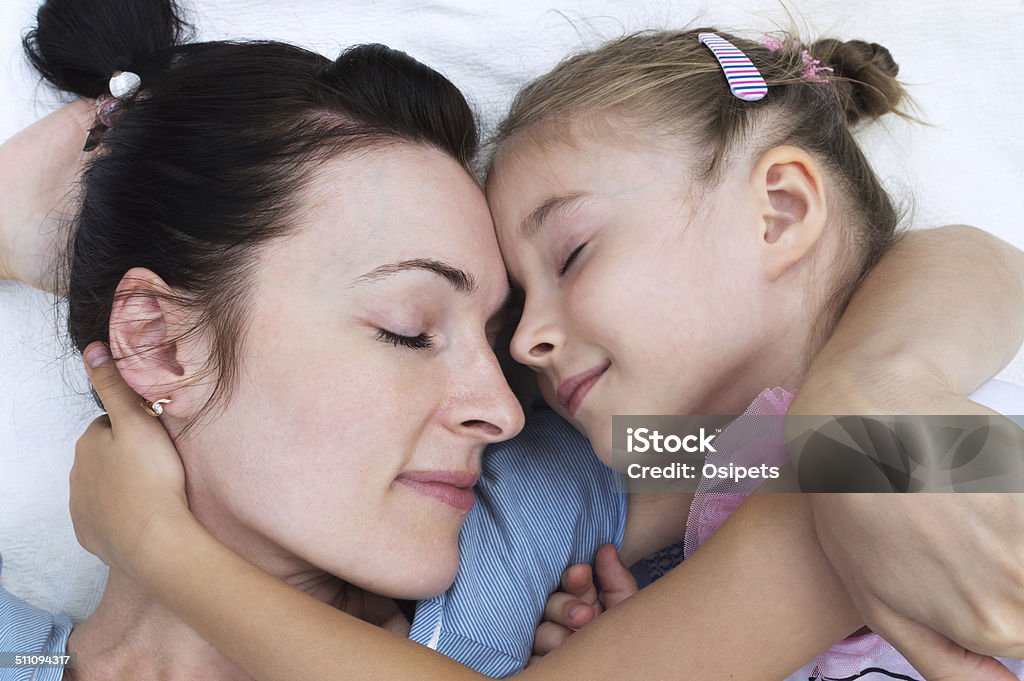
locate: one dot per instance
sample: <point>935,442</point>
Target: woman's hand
<point>940,314</point>
<point>127,474</point>
<point>39,172</point>
<point>578,603</point>
<point>939,559</point>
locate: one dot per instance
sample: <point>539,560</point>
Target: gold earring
<point>155,408</point>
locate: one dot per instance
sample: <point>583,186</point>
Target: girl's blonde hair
<point>670,83</point>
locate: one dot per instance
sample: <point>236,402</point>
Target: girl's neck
<point>777,364</point>
<point>781,360</point>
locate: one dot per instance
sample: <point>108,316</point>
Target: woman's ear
<point>151,342</point>
<point>789,191</point>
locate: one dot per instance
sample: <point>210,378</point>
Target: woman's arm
<point>39,171</point>
<point>757,601</point>
<point>939,315</point>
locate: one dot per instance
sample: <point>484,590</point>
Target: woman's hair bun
<point>77,44</point>
<point>864,75</point>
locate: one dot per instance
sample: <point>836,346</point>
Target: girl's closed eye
<point>571,259</point>
<point>422,341</point>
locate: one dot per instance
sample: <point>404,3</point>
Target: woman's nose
<point>489,410</point>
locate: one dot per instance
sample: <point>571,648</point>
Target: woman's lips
<point>572,391</point>
<point>454,488</point>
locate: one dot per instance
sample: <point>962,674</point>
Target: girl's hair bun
<point>77,44</point>
<point>864,76</point>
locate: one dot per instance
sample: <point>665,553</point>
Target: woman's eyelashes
<point>571,259</point>
<point>421,342</point>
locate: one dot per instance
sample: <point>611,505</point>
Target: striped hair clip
<point>744,79</point>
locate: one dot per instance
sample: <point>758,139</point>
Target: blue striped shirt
<point>544,502</point>
<point>27,629</point>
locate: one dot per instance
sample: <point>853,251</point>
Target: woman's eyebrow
<point>461,281</point>
<point>555,205</point>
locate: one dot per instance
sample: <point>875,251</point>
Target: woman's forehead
<point>399,207</point>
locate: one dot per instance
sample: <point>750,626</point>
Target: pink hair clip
<point>745,81</point>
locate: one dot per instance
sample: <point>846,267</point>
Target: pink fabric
<point>752,441</point>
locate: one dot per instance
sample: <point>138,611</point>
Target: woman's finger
<point>937,657</point>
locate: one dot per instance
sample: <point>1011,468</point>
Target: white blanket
<point>961,60</point>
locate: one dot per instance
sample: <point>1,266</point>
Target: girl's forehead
<point>533,171</point>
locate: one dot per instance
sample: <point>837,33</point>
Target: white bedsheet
<point>962,62</point>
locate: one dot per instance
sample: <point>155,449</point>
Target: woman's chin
<point>412,579</point>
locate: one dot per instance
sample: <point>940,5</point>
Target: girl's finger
<point>617,582</point>
<point>568,611</point>
<point>549,636</point>
<point>121,403</point>
<point>578,580</point>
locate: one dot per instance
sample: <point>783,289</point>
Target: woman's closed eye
<point>421,342</point>
<point>571,259</point>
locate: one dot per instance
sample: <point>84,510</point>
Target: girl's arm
<point>39,172</point>
<point>756,602</point>
<point>742,609</point>
<point>940,314</point>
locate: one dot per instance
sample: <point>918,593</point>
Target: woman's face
<point>637,300</point>
<point>368,387</point>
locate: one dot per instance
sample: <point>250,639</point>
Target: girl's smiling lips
<point>572,391</point>
<point>454,488</point>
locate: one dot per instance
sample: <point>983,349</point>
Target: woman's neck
<point>131,635</point>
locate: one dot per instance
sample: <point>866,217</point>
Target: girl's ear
<point>789,191</point>
<point>152,345</point>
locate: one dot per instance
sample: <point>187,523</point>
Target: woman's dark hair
<point>208,160</point>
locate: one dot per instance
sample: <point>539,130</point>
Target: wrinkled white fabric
<point>967,169</point>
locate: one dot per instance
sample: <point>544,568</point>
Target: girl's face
<point>368,387</point>
<point>637,299</point>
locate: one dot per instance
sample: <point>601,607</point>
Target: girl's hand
<point>39,172</point>
<point>577,604</point>
<point>127,473</point>
<point>128,482</point>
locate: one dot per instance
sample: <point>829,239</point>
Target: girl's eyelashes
<point>420,342</point>
<point>571,259</point>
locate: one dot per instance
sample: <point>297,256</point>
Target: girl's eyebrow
<point>555,205</point>
<point>460,280</point>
